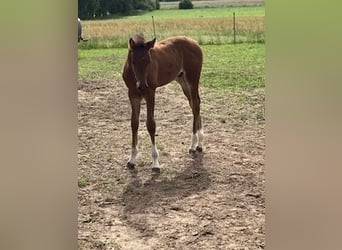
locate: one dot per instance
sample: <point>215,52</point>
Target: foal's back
<point>180,47</point>
<point>176,55</point>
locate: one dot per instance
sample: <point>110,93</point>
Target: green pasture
<point>206,25</point>
<point>225,66</point>
<point>200,12</point>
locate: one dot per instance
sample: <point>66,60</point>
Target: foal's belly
<point>168,75</point>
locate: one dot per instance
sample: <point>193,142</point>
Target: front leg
<point>151,127</point>
<point>135,105</point>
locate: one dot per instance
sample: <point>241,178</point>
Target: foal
<point>153,64</point>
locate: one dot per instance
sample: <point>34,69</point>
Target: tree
<point>157,5</point>
<point>145,4</point>
<point>89,9</point>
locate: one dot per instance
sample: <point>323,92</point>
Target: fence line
<point>234,27</point>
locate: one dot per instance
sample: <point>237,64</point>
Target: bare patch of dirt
<point>214,200</point>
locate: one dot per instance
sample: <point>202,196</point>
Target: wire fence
<point>232,29</point>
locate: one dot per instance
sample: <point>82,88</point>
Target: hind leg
<point>200,136</point>
<point>191,92</point>
<point>197,132</point>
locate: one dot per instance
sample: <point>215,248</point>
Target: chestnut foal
<point>152,64</point>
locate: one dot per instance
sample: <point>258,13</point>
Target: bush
<point>157,5</point>
<point>185,4</point>
<point>145,4</point>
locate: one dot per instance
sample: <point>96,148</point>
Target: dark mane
<point>139,39</point>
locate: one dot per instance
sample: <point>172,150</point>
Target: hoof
<point>130,165</point>
<point>155,170</point>
<point>192,151</point>
<point>199,149</point>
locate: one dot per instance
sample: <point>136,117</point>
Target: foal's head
<point>140,59</point>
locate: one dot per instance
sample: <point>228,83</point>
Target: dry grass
<point>115,32</point>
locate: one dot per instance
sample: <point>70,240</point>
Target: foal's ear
<point>150,44</point>
<point>131,43</point>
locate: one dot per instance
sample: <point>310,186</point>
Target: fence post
<point>234,27</point>
<point>154,28</point>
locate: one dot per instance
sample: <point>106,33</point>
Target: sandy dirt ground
<point>211,200</point>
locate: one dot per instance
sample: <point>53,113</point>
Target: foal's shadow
<point>138,196</point>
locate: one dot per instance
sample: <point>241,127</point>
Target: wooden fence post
<point>234,27</point>
<point>154,28</point>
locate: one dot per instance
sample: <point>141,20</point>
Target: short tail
<point>82,39</point>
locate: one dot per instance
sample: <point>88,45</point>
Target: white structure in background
<point>80,31</point>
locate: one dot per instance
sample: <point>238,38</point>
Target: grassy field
<point>208,26</point>
<point>201,12</point>
<point>213,3</point>
<point>225,66</point>
<point>212,200</point>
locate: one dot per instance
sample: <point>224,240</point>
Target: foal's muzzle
<point>141,87</point>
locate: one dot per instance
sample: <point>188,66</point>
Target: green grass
<point>208,4</point>
<point>101,63</point>
<point>83,182</point>
<point>206,25</point>
<point>233,66</point>
<point>224,67</point>
<point>195,13</point>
